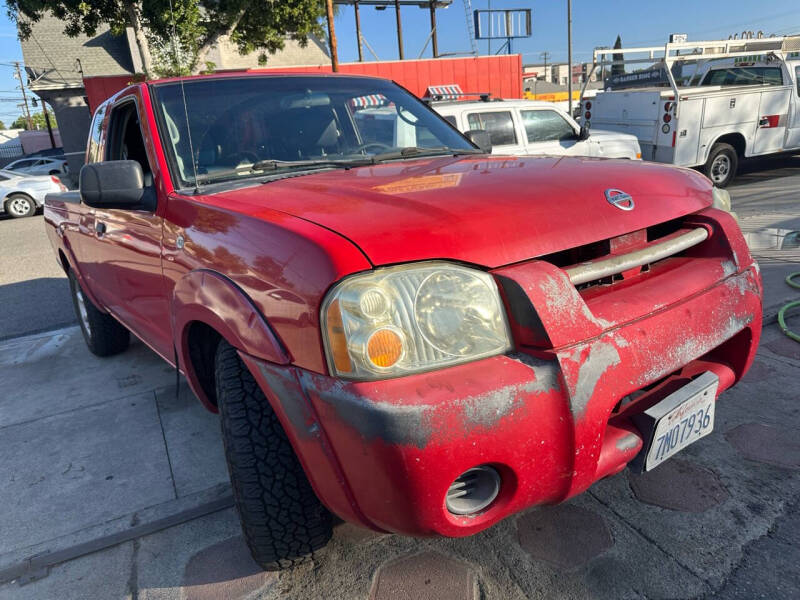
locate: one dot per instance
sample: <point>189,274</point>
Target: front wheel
<point>104,335</point>
<point>722,163</point>
<point>19,205</point>
<point>283,521</point>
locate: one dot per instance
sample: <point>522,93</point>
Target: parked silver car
<point>38,165</point>
<point>22,195</point>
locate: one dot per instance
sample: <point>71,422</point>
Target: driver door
<point>547,132</point>
<point>123,249</point>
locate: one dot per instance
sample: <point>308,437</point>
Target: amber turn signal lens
<point>337,339</point>
<point>384,348</point>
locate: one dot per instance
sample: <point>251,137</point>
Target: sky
<point>594,23</point>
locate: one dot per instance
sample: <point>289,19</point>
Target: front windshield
<point>246,126</point>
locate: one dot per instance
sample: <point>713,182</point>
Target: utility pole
<point>545,56</point>
<point>49,126</point>
<point>399,28</point>
<point>435,43</point>
<point>569,54</point>
<point>358,32</point>
<point>332,36</point>
<point>24,95</point>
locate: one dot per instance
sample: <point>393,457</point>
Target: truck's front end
<point>456,396</point>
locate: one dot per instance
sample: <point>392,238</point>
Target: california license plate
<point>680,419</point>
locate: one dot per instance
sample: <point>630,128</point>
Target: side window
<point>744,76</point>
<point>95,135</point>
<point>797,79</point>
<point>546,125</point>
<point>125,141</point>
<point>452,120</point>
<point>499,125</point>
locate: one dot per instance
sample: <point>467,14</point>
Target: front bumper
<point>384,453</point>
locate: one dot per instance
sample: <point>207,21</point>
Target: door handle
<point>100,227</point>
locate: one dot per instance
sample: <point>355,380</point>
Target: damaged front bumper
<point>384,453</point>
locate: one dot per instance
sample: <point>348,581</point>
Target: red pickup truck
<point>396,327</point>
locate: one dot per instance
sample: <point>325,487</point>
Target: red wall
<point>99,89</point>
<point>499,75</point>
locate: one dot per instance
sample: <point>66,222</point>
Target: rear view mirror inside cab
<point>306,100</point>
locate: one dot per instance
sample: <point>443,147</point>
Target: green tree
<point>38,122</point>
<point>617,67</point>
<point>2,125</point>
<point>252,25</point>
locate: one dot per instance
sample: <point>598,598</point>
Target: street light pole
<point>569,54</point>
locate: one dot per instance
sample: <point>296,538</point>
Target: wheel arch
<point>68,262</point>
<point>207,307</point>
<point>735,139</point>
<point>13,193</point>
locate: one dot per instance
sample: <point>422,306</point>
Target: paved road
<point>34,293</point>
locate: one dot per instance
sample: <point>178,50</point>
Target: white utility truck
<point>703,104</point>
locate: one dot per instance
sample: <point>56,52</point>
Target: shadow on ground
<point>35,305</point>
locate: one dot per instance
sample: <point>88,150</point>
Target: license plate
<point>681,419</point>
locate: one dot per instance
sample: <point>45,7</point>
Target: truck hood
<point>488,211</point>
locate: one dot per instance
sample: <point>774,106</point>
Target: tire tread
<point>283,521</point>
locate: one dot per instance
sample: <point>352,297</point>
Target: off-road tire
<point>283,521</point>
<point>104,335</point>
<point>721,155</point>
<point>14,206</point>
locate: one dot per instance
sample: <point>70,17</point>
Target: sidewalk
<point>93,448</point>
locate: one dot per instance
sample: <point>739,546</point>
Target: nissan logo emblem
<point>619,199</point>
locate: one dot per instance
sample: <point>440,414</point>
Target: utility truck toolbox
<point>394,326</point>
<point>703,104</point>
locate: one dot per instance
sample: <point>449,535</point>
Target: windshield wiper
<point>414,151</point>
<point>273,165</point>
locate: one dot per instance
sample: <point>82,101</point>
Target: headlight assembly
<point>411,318</point>
<point>721,199</point>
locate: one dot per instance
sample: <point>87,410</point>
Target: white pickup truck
<point>742,100</point>
<point>534,127</point>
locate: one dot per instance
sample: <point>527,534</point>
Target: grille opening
<point>584,259</point>
<point>473,490</point>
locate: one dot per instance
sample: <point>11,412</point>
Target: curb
<point>37,560</point>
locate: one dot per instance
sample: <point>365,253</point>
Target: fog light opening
<point>473,490</point>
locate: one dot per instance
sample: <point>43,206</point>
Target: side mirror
<point>480,137</point>
<point>112,184</point>
<point>583,134</point>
